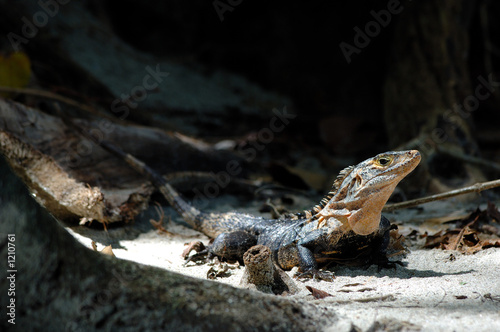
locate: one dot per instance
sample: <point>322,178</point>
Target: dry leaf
<point>396,244</point>
<point>472,233</point>
<point>318,294</point>
<point>221,271</point>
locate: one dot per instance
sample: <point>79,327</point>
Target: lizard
<point>346,227</point>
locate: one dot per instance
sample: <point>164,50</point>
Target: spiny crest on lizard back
<point>340,178</point>
<point>306,214</point>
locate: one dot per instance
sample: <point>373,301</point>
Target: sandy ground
<point>436,291</point>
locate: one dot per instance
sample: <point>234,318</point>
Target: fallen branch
<point>476,188</point>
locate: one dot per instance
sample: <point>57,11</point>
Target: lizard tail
<point>188,212</point>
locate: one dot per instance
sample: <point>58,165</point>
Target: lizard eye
<point>384,161</point>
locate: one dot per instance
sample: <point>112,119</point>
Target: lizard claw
<point>315,275</point>
<point>201,256</point>
<point>382,262</point>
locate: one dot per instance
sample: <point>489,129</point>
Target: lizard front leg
<point>231,246</point>
<point>379,256</point>
<point>309,267</point>
<point>315,241</point>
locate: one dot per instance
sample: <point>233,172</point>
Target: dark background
<point>395,91</point>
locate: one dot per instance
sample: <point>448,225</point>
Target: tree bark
<point>428,87</point>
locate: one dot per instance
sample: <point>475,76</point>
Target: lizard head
<point>362,190</point>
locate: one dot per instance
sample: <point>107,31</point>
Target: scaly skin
<point>346,227</point>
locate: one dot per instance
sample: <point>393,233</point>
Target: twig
<point>57,97</point>
<point>478,187</point>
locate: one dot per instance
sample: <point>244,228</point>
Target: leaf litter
<point>477,231</point>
